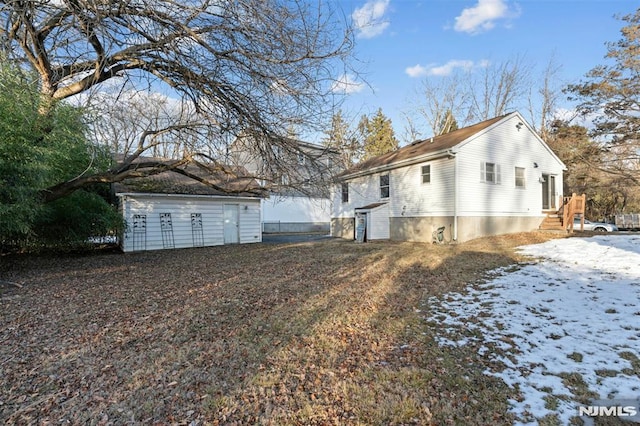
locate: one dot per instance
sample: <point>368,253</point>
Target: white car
<point>594,226</point>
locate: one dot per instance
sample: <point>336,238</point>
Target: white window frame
<point>520,179</point>
<point>344,190</point>
<point>494,176</point>
<point>427,174</point>
<point>387,186</point>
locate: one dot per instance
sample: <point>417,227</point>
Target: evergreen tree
<point>611,92</point>
<point>342,138</point>
<point>378,135</point>
<point>35,152</point>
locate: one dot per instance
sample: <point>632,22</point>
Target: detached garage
<point>170,210</point>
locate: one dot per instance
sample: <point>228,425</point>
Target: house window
<point>384,186</point>
<point>301,159</point>
<point>520,177</point>
<point>426,174</point>
<point>490,173</point>
<point>284,180</point>
<point>345,192</point>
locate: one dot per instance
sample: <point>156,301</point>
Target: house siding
<point>457,193</point>
<point>181,208</point>
<point>509,148</point>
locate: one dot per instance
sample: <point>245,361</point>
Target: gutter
<point>403,163</point>
<point>452,154</point>
<point>218,197</point>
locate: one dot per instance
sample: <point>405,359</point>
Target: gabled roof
<point>423,147</point>
<point>223,181</point>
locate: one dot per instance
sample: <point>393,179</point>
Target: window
<point>345,192</point>
<point>426,174</point>
<point>490,173</point>
<point>384,186</point>
<point>520,182</point>
<point>301,159</point>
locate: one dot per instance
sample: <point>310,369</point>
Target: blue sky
<point>402,42</point>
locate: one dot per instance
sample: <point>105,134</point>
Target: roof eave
<point>446,152</point>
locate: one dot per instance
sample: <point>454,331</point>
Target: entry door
<point>231,224</point>
<point>548,192</point>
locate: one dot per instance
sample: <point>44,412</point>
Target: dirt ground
<point>322,332</point>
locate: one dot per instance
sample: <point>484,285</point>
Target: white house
<point>169,210</point>
<point>494,177</point>
<point>296,175</point>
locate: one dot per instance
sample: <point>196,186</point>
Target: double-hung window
<point>384,186</point>
<point>426,173</point>
<point>490,173</point>
<point>519,174</point>
<point>345,192</point>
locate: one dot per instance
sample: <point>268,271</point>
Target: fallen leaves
<point>323,333</point>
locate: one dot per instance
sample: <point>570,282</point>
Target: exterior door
<point>549,192</point>
<point>231,224</point>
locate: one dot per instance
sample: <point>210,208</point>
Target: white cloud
<point>483,15</point>
<point>444,70</point>
<point>369,19</point>
<point>347,83</point>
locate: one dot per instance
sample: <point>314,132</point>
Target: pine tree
<point>611,92</point>
<point>378,135</point>
<point>342,138</point>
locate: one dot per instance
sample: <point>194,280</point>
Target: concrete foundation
<point>294,227</point>
<point>343,227</point>
<point>421,228</point>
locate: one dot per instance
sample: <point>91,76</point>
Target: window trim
<point>523,177</point>
<point>386,186</point>
<point>495,174</point>
<point>423,174</point>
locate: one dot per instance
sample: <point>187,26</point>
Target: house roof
<point>222,181</point>
<point>422,147</point>
<point>370,206</point>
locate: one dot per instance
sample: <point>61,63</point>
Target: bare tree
<point>441,99</point>
<point>499,89</point>
<point>542,110</point>
<point>251,64</point>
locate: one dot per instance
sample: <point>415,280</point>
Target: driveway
<point>293,238</point>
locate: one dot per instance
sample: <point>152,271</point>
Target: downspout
<point>452,154</point>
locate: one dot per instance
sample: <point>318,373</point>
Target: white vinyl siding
<point>181,208</point>
<point>503,145</point>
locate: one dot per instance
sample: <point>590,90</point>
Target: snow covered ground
<point>574,309</point>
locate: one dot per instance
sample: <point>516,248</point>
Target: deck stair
<point>552,222</point>
<point>562,220</point>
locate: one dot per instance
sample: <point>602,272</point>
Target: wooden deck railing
<point>572,206</point>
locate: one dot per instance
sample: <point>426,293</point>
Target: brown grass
<point>316,333</point>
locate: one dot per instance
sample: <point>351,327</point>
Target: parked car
<point>594,226</point>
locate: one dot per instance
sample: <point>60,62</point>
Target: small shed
<point>170,210</point>
<point>376,219</point>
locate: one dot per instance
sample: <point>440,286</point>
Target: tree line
<point>78,78</point>
<point>602,154</point>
